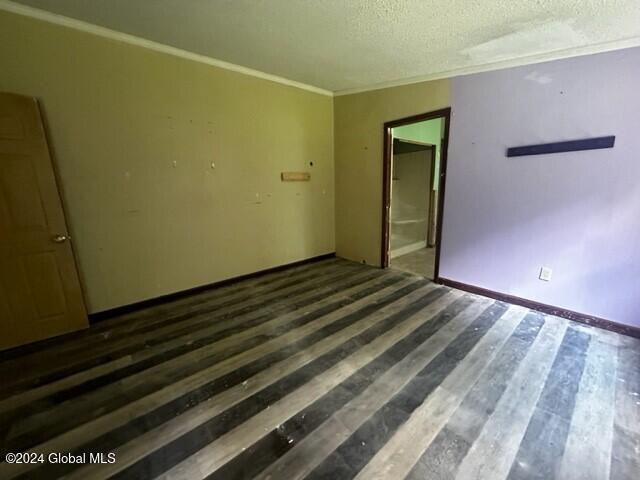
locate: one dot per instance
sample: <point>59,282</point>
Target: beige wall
<point>358,120</point>
<point>120,116</point>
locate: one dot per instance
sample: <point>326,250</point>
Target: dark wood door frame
<point>445,114</point>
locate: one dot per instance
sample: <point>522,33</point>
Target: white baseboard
<point>407,249</point>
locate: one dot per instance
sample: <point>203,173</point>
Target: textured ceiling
<point>353,44</point>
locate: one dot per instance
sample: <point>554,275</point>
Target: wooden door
<point>40,293</point>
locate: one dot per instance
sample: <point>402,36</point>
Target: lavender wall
<point>578,212</point>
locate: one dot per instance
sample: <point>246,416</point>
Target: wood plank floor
<point>330,370</point>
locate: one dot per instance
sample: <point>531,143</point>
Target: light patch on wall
<point>527,39</point>
<point>537,77</point>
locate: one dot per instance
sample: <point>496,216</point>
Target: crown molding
<point>104,32</point>
<point>487,67</point>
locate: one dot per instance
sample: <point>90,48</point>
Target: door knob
<point>60,238</point>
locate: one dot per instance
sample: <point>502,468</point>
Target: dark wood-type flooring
<point>330,370</point>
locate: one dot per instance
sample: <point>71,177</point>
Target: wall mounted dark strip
<point>558,147</point>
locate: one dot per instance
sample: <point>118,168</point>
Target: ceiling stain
<point>527,39</point>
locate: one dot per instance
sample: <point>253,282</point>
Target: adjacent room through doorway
<point>413,187</point>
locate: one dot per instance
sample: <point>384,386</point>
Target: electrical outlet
<point>545,274</point>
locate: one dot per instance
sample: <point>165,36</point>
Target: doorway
<point>414,174</point>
